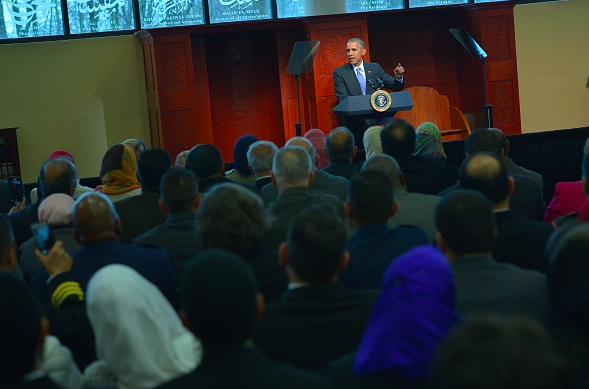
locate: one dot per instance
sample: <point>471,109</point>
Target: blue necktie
<point>361,80</point>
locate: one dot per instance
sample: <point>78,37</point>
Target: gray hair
<point>357,40</point>
<point>386,164</point>
<point>292,167</point>
<point>233,218</point>
<point>305,144</point>
<point>261,158</point>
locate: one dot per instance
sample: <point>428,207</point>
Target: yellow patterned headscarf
<point>118,170</point>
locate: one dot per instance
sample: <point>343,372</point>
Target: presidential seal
<point>380,100</point>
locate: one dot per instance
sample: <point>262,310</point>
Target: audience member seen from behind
<point>413,313</point>
<point>232,218</point>
<point>222,315</point>
<point>137,145</point>
<point>260,157</point>
<point>428,141</point>
<point>241,171</point>
<point>495,352</point>
<point>340,149</point>
<point>118,173</point>
<point>371,141</point>
<point>140,340</point>
<point>317,139</point>
<point>181,160</point>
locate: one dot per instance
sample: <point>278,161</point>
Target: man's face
<point>355,53</point>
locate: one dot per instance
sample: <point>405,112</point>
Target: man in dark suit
<point>466,232</point>
<point>323,183</point>
<point>423,173</point>
<point>374,245</point>
<point>519,241</point>
<point>259,157</point>
<point>179,199</point>
<point>340,149</point>
<point>318,319</point>
<point>98,229</point>
<point>292,174</point>
<point>141,213</point>
<point>359,77</point>
<point>527,199</point>
<point>222,315</point>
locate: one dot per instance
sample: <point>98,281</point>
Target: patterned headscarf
<point>317,139</point>
<point>181,160</point>
<point>118,171</point>
<point>371,141</point>
<point>413,313</point>
<point>429,141</point>
<point>136,145</point>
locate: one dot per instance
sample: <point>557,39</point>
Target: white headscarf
<point>138,334</point>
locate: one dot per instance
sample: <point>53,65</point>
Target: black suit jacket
<point>21,223</point>
<point>245,368</point>
<point>346,82</point>
<point>313,325</point>
<point>424,174</point>
<point>343,169</point>
<point>43,382</point>
<point>139,214</point>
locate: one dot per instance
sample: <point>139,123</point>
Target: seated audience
<point>567,281</point>
<point>318,319</point>
<point>78,191</point>
<point>466,234</point>
<point>56,176</point>
<point>141,213</point>
<point>140,340</point>
<point>566,199</point>
<point>241,171</point>
<point>374,245</point>
<point>118,173</point>
<point>179,199</point>
<point>423,174</point>
<point>259,158</point>
<point>317,139</point>
<point>519,241</point>
<point>181,159</point>
<point>371,141</point>
<point>293,174</point>
<point>137,145</point>
<point>527,199</point>
<point>323,183</point>
<point>233,218</point>
<point>413,313</point>
<point>340,149</point>
<point>222,318</point>
<point>414,209</point>
<point>56,211</point>
<point>428,141</point>
<point>494,352</point>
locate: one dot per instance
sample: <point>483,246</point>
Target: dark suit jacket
<point>521,241</point>
<point>372,248</point>
<point>289,204</point>
<point>178,235</point>
<point>346,82</point>
<point>261,182</point>
<point>527,199</point>
<point>416,209</point>
<point>485,286</point>
<point>341,169</point>
<point>271,276</point>
<point>139,214</point>
<point>152,263</point>
<point>424,174</point>
<point>204,185</point>
<point>324,183</point>
<point>21,222</point>
<point>245,368</point>
<point>313,325</point>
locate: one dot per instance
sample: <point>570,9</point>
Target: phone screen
<point>16,189</point>
<point>43,237</point>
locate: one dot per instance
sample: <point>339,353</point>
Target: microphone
<point>372,84</point>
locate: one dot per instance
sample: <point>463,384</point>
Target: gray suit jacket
<point>324,183</point>
<point>416,209</point>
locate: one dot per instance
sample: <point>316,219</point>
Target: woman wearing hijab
<point>140,341</point>
<point>136,145</point>
<point>371,141</point>
<point>428,141</point>
<point>118,173</point>
<point>413,313</point>
<point>241,171</point>
<point>317,139</point>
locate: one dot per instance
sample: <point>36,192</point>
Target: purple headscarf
<point>240,154</point>
<point>413,313</point>
<point>317,139</point>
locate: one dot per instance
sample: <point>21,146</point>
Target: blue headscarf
<point>240,153</point>
<point>413,313</point>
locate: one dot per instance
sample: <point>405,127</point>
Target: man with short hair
<point>292,175</point>
<point>323,183</point>
<point>423,173</point>
<point>318,319</point>
<point>466,234</point>
<point>141,213</point>
<point>259,157</point>
<point>340,149</point>
<point>374,245</point>
<point>519,241</point>
<point>415,209</point>
<point>222,315</point>
<point>179,199</point>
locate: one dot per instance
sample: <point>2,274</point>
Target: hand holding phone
<point>16,188</point>
<point>42,236</point>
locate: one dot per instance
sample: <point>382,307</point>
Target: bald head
<point>95,219</point>
<point>487,174</point>
<point>58,176</point>
<point>339,145</point>
<point>389,166</point>
<point>305,144</point>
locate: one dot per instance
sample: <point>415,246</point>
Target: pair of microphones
<point>376,84</point>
